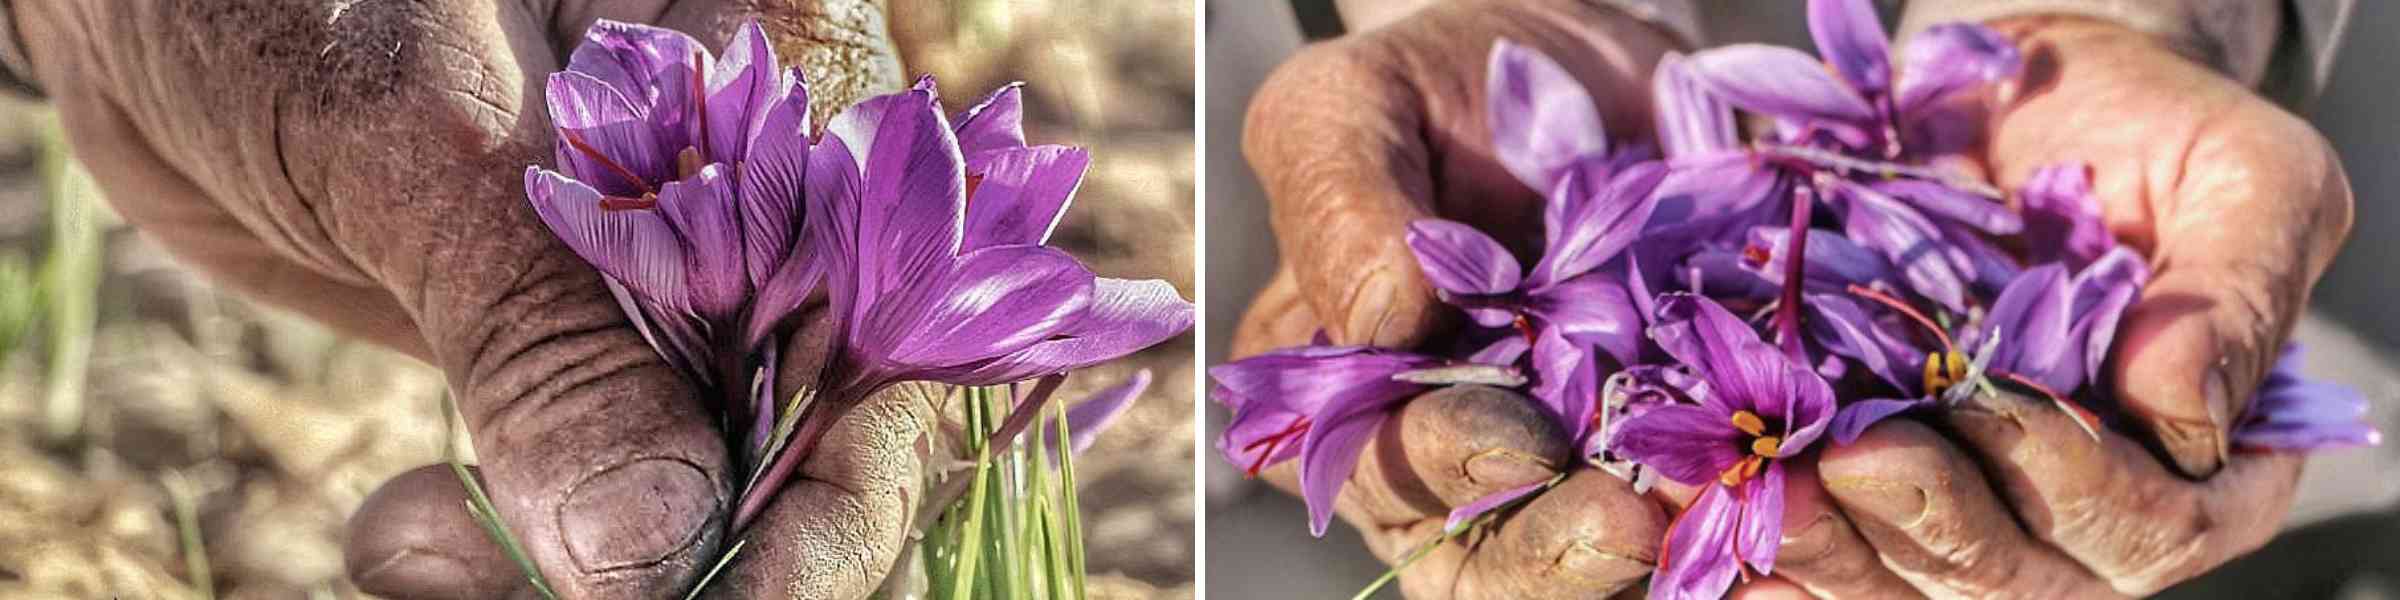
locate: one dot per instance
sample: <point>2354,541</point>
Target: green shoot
<point>479,505</point>
<point>71,275</point>
<point>711,576</point>
<point>1428,547</point>
<point>187,524</point>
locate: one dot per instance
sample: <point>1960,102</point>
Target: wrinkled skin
<point>362,162</point>
<point>2241,205</point>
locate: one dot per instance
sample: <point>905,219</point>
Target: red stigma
<point>618,203</point>
<point>1755,256</point>
<point>1272,443</point>
<point>1903,308</point>
<point>1525,326</point>
<point>576,142</point>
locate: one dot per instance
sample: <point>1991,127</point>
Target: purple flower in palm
<point>1758,408</point>
<point>1546,129</point>
<point>931,237</point>
<point>2062,217</point>
<point>680,180</point>
<point>1318,404</point>
<point>1838,131</point>
<point>2047,331</point>
<point>2295,413</point>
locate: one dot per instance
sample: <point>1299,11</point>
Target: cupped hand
<point>1354,139</point>
<point>2240,206</point>
<point>362,162</point>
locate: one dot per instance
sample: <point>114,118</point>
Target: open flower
<point>2048,332</point>
<point>931,238</point>
<point>1861,104</point>
<point>1315,403</point>
<point>1758,408</point>
<point>2293,412</point>
<point>680,180</point>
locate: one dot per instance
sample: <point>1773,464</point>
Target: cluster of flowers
<point>1706,315</point>
<point>696,185</point>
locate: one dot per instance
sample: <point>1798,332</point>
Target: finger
<point>1588,537</point>
<point>1442,450</point>
<point>1935,523</point>
<point>1278,318</point>
<point>2240,204</point>
<point>1822,552</point>
<point>836,529</point>
<point>2114,508</point>
<point>1776,588</point>
<point>413,539</point>
<point>1333,136</point>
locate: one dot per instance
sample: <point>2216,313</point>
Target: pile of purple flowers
<point>700,187</point>
<point>1710,313</point>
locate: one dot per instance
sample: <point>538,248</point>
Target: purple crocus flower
<point>2062,218</point>
<point>1838,131</point>
<point>1546,129</point>
<point>1315,403</point>
<point>2048,331</point>
<point>680,181</point>
<point>1566,305</point>
<point>2293,412</point>
<point>931,238</point>
<point>1758,407</point>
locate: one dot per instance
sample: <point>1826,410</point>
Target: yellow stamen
<point>1942,370</point>
<point>688,162</point>
<point>1748,422</point>
<point>1766,447</point>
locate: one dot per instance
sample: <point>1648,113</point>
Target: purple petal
<point>912,187</point>
<point>1243,442</point>
<point>1555,361</point>
<point>604,140</point>
<point>636,247</point>
<point>1329,453</point>
<point>1941,200</point>
<point>1761,530</point>
<point>1844,328</point>
<point>2062,218</point>
<point>741,88</point>
<point>702,211</point>
<point>781,295</point>
<point>995,123</point>
<point>2102,293</point>
<point>1584,232</point>
<point>1698,561</point>
<point>1854,418</point>
<point>831,192</point>
<point>1717,185</point>
<point>1125,316</point>
<point>1718,347</point>
<point>2295,413</point>
<point>1690,120</point>
<point>666,331</point>
<point>1503,350</point>
<point>1468,512</point>
<point>1950,57</point>
<point>654,67</point>
<point>771,185</point>
<point>1542,119</point>
<point>1927,262</point>
<point>1848,33</point>
<point>991,302</point>
<point>1021,194</point>
<point>1833,261</point>
<point>1087,419</point>
<point>1593,310</point>
<point>1783,83</point>
<point>1307,379</point>
<point>2034,317</point>
<point>1685,443</point>
<point>1459,259</point>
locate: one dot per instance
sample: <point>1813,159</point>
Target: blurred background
<point>145,415</point>
<point>2343,535</point>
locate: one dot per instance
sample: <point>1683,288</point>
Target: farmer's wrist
<point>2233,37</point>
<point>16,68</point>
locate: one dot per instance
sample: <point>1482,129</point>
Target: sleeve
<point>16,72</point>
<point>2283,48</point>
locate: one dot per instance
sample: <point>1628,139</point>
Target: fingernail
<point>1505,468</point>
<point>411,571</point>
<point>2219,395</point>
<point>1591,566</point>
<point>1891,502</point>
<point>636,514</point>
<point>1812,542</point>
<point>1371,311</point>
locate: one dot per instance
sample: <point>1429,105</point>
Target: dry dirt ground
<point>278,428</point>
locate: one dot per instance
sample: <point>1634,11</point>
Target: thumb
<point>1333,137</point>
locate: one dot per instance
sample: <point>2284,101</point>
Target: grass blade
<point>711,576</point>
<point>479,506</point>
<point>187,525</point>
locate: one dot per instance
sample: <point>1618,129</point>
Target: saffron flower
<point>679,181</point>
<point>1318,404</point>
<point>930,232</point>
<point>1759,408</point>
<point>2292,412</point>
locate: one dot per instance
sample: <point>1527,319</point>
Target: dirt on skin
<point>278,428</point>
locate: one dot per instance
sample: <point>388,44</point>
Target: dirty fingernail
<point>636,514</point>
<point>1504,468</point>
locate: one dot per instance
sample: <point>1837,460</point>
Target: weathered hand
<point>362,162</point>
<point>2240,206</point>
<point>1354,139</point>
